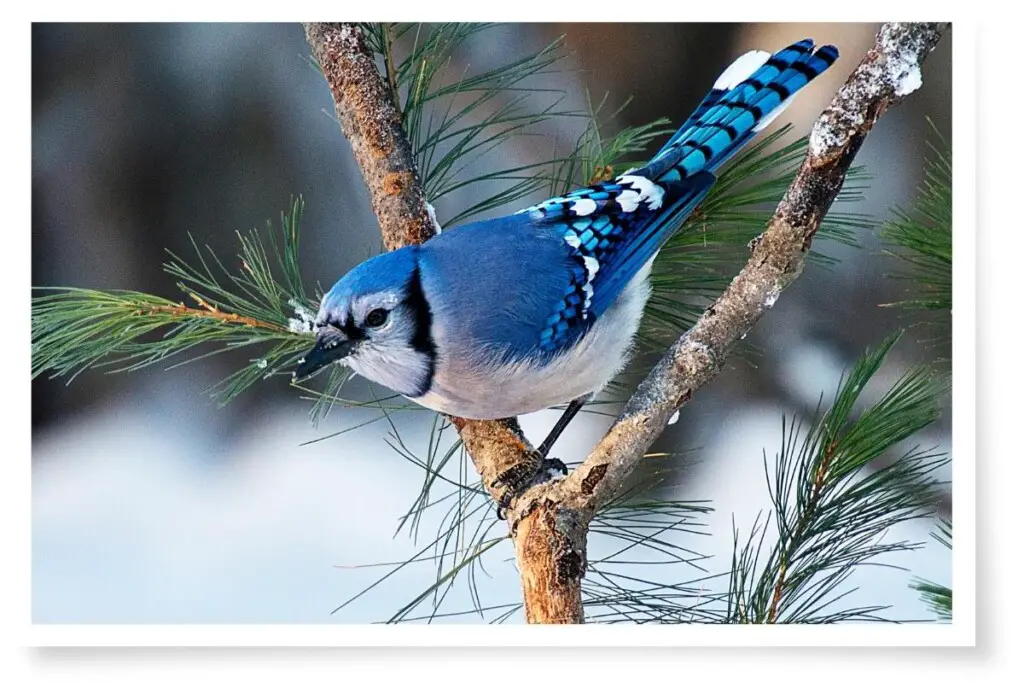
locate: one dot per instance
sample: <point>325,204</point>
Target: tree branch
<point>889,72</point>
<point>368,111</point>
<point>373,125</point>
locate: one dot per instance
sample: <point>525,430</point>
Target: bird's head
<point>377,321</point>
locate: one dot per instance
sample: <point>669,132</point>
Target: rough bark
<point>887,74</point>
<point>549,522</point>
<point>373,125</point>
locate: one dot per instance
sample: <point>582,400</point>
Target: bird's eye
<point>376,318</point>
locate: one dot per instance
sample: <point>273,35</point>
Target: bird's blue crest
<point>390,270</point>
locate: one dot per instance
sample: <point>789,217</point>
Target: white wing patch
<point>628,200</point>
<point>742,69</point>
<point>643,191</point>
<point>592,267</point>
<point>588,290</point>
<point>583,207</point>
<point>580,207</point>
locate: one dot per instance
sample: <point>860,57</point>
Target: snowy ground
<point>135,523</point>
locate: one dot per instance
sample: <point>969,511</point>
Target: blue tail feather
<point>727,118</point>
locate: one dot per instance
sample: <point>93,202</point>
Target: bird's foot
<point>529,473</point>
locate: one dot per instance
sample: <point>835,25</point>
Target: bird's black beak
<point>331,345</point>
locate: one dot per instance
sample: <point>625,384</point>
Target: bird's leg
<point>570,412</point>
<point>539,468</point>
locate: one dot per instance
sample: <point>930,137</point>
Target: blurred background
<point>151,504</point>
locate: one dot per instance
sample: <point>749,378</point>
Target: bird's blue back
<point>531,284</point>
<point>480,295</point>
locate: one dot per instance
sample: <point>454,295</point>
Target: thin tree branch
<point>889,72</point>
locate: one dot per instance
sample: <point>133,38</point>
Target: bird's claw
<point>522,476</point>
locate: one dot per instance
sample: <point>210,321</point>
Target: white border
<point>487,635</point>
<point>964,319</point>
<point>961,632</point>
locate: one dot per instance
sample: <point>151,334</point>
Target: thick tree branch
<point>372,123</point>
<point>888,73</point>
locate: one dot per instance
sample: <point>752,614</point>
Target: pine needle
<point>834,503</point>
<point>261,307</point>
<point>922,236</point>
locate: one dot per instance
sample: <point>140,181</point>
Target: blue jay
<point>508,316</point>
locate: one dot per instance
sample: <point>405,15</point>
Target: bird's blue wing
<point>612,229</point>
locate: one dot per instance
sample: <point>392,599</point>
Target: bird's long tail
<point>748,95</point>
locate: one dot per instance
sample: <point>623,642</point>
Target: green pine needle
<point>939,598</point>
<point>834,502</point>
<point>455,121</point>
<point>254,308</point>
<point>830,508</point>
<point>699,261</point>
<point>922,236</point>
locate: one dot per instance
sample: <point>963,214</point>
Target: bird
<point>539,308</point>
